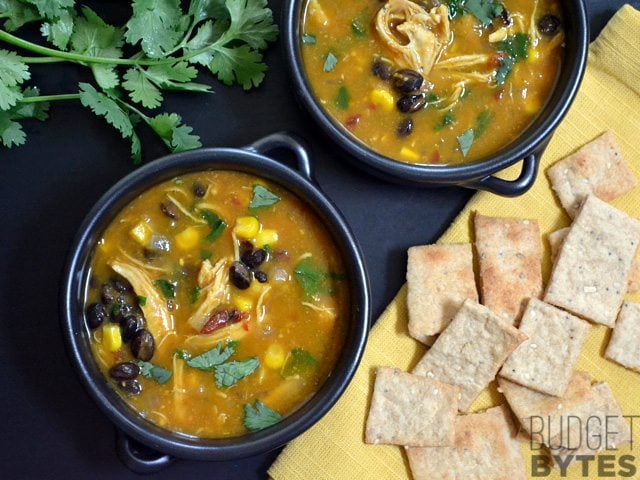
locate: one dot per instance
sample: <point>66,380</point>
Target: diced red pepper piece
<point>221,318</point>
<point>435,157</point>
<point>352,122</point>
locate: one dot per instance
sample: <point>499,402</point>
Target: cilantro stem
<point>50,98</point>
<point>41,60</point>
<point>76,57</point>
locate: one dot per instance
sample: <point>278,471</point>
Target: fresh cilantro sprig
<point>154,372</point>
<point>226,37</point>
<point>512,50</point>
<point>259,416</point>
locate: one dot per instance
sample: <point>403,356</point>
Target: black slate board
<point>51,429</point>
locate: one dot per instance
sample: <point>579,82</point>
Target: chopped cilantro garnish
<point>299,362</point>
<point>142,301</point>
<point>504,69</point>
<point>482,122</point>
<point>228,374</point>
<point>516,46</point>
<point>308,39</point>
<point>343,98</point>
<point>195,294</point>
<point>167,288</point>
<point>182,354</point>
<point>151,371</point>
<point>209,360</point>
<point>484,10</point>
<point>215,223</point>
<point>330,62</point>
<point>447,120</point>
<point>205,254</point>
<point>259,416</point>
<point>314,281</point>
<point>262,198</point>
<point>359,24</point>
<point>465,141</point>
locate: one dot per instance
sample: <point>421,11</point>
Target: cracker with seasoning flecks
<point>624,346</point>
<point>545,361</point>
<point>555,242</point>
<point>590,275</point>
<point>470,351</point>
<point>439,279</point>
<point>603,426</point>
<point>545,418</point>
<point>485,448</point>
<point>408,409</point>
<point>598,168</point>
<point>510,259</point>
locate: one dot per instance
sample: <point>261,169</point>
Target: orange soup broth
<point>512,107</point>
<point>191,403</point>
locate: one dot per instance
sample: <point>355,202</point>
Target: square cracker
<point>555,243</point>
<point>470,351</point>
<point>603,426</point>
<point>624,347</point>
<point>510,259</point>
<point>411,410</point>
<point>485,448</point>
<point>544,417</point>
<point>439,279</point>
<point>545,361</point>
<point>590,275</point>
<point>597,168</point>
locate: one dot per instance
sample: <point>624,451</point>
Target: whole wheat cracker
<point>439,279</point>
<point>555,242</point>
<point>603,427</point>
<point>408,409</point>
<point>624,347</point>
<point>470,351</point>
<point>597,168</point>
<point>590,275</point>
<point>544,417</point>
<point>545,361</point>
<point>485,447</point>
<point>510,260</point>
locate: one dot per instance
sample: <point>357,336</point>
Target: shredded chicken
<point>215,290</point>
<point>159,320</point>
<point>499,35</point>
<point>463,61</point>
<point>416,36</point>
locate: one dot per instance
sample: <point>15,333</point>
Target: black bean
<point>130,326</point>
<point>132,387</point>
<point>121,286</point>
<point>254,259</point>
<point>120,312</point>
<point>199,190</point>
<point>504,16</point>
<point>405,127</point>
<point>240,275</point>
<point>108,294</point>
<point>245,247</point>
<point>169,209</point>
<point>548,25</point>
<point>407,81</point>
<point>142,345</point>
<point>124,371</point>
<point>382,69</point>
<point>260,276</point>
<point>411,103</point>
<point>96,313</point>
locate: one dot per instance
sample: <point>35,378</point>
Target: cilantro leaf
<point>142,300</point>
<point>504,69</point>
<point>238,64</point>
<point>182,354</point>
<point>216,356</point>
<point>465,140</point>
<point>259,416</point>
<point>343,98</point>
<point>482,122</point>
<point>167,288</point>
<point>446,120</point>
<point>216,224</point>
<point>51,9</point>
<point>17,14</point>
<point>456,8</point>
<point>360,23</point>
<point>330,62</point>
<point>228,374</point>
<point>299,362</point>
<point>153,372</point>
<point>517,46</point>
<point>140,89</point>
<point>13,72</point>
<point>262,198</point>
<point>106,107</point>
<point>11,133</point>
<point>313,280</point>
<point>309,39</point>
<point>36,110</point>
<point>59,31</point>
<point>176,136</point>
<point>251,23</point>
<point>195,294</point>
<point>157,25</point>
<point>484,10</point>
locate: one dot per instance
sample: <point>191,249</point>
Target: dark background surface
<point>50,427</point>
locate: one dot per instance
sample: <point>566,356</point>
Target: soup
<point>216,304</point>
<point>433,82</point>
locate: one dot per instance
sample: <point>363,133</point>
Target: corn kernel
<point>265,237</point>
<point>533,55</point>
<point>141,233</point>
<point>382,99</point>
<point>188,238</point>
<point>275,356</point>
<point>242,303</point>
<point>246,227</point>
<point>111,337</point>
<point>532,106</point>
<point>409,155</point>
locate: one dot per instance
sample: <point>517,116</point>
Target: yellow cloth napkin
<point>609,99</point>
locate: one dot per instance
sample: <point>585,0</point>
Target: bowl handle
<point>138,457</point>
<point>513,188</point>
<point>289,141</point>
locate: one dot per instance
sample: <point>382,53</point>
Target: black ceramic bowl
<point>167,444</point>
<point>528,147</point>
